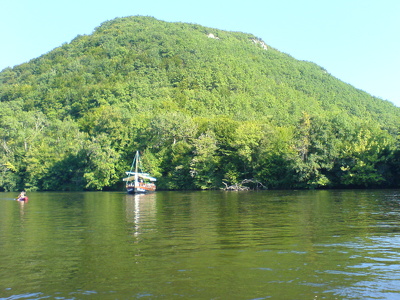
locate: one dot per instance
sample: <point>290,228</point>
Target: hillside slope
<point>231,106</point>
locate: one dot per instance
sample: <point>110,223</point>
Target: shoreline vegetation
<point>207,108</point>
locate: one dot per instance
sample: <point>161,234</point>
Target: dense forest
<point>206,108</point>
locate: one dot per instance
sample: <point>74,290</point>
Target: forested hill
<point>207,108</point>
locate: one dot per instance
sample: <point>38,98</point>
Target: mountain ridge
<point>117,27</point>
<point>191,79</point>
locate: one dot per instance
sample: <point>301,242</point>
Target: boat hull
<point>140,189</point>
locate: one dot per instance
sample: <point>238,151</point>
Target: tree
<point>361,158</point>
<point>204,164</point>
<point>100,163</point>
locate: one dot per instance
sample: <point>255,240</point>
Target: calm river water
<point>201,245</point>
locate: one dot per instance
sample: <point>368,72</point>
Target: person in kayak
<point>22,196</point>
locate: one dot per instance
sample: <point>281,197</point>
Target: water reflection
<point>140,209</point>
<point>21,210</point>
<point>202,245</point>
<point>372,267</point>
<point>325,244</point>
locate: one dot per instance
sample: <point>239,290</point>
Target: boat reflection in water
<point>141,211</point>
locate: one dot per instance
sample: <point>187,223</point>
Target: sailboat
<point>137,181</point>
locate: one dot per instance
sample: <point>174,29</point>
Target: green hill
<point>206,107</point>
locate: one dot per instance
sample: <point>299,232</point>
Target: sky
<point>357,41</point>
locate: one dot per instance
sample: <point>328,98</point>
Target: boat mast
<point>136,167</point>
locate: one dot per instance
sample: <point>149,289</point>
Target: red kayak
<point>24,199</point>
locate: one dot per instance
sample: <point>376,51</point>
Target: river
<point>341,244</point>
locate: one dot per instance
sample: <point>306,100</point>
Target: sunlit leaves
<point>204,163</point>
<point>101,160</point>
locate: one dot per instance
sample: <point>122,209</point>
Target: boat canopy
<point>139,175</point>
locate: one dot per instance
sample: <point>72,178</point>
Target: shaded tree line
<point>193,153</point>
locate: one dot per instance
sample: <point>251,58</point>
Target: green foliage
<point>204,164</point>
<point>204,106</point>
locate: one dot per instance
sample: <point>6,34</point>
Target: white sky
<point>356,41</point>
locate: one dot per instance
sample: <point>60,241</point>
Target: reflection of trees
<point>279,244</point>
